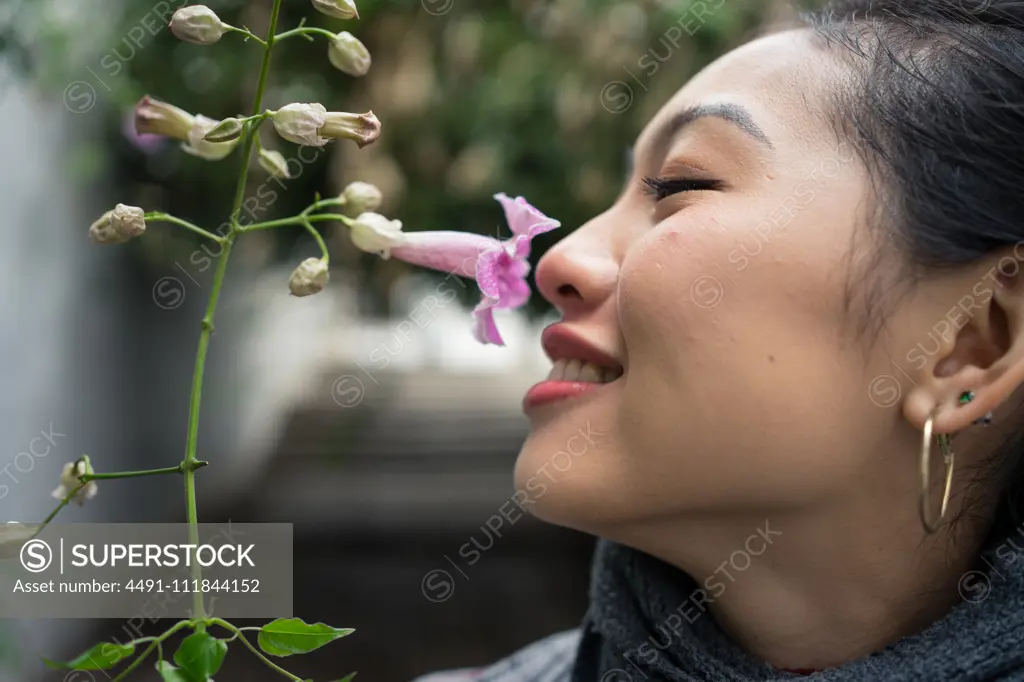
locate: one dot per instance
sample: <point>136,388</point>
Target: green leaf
<point>287,636</point>
<point>168,673</point>
<point>101,657</point>
<point>347,678</point>
<point>201,655</point>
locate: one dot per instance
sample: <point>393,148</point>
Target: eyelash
<point>662,188</point>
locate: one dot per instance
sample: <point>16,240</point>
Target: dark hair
<point>935,108</point>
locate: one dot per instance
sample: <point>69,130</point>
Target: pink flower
<point>144,142</point>
<point>499,267</point>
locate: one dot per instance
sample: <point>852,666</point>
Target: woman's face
<point>743,386</point>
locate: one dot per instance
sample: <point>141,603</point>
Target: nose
<point>580,272</point>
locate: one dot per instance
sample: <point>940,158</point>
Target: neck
<point>813,590</point>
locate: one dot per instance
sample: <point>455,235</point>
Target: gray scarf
<point>643,625</point>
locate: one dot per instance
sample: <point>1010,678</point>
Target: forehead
<point>781,79</point>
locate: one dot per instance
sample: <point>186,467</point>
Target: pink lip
<point>560,342</point>
<point>547,392</point>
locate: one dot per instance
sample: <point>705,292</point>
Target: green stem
<point>63,503</point>
<point>193,418</point>
<point>199,612</point>
<point>84,479</point>
<point>319,240</point>
<point>305,31</point>
<point>158,217</point>
<point>156,642</point>
<point>257,105</point>
<point>270,664</point>
<point>148,472</point>
<point>249,34</point>
<point>299,220</point>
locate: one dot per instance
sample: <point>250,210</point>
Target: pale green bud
<point>225,131</point>
<point>274,163</point>
<point>309,278</point>
<point>102,233</point>
<point>128,221</point>
<point>197,145</point>
<point>198,24</point>
<point>300,123</point>
<point>374,233</point>
<point>361,197</point>
<point>69,481</point>
<point>339,9</point>
<point>349,55</point>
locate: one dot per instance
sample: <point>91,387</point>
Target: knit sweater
<point>625,638</point>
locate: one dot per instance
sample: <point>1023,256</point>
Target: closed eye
<point>663,188</point>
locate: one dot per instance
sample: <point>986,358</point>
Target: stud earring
<point>968,396</point>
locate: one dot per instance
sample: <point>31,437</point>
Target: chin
<point>563,476</point>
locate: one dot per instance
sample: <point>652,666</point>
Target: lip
<point>561,343</point>
<point>547,392</point>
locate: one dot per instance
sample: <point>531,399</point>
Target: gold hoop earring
<point>932,525</point>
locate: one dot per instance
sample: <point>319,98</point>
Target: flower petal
<point>484,329</point>
<point>489,274</point>
<point>523,219</point>
<point>454,252</point>
<point>515,293</point>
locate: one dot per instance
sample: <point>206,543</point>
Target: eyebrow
<point>733,113</point>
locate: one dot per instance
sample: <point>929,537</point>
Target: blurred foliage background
<point>534,97</point>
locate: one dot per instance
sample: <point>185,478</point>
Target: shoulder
<point>546,660</point>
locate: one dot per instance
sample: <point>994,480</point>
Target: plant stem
<point>257,105</point>
<point>325,254</point>
<point>304,31</point>
<point>158,217</point>
<point>63,503</point>
<point>193,420</point>
<point>249,34</point>
<point>156,642</point>
<point>270,664</point>
<point>148,472</point>
<point>299,220</point>
<point>198,464</point>
<point>207,324</point>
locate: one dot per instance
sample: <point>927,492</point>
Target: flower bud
<point>373,233</point>
<point>300,123</point>
<point>340,9</point>
<point>101,231</point>
<point>309,278</point>
<point>69,481</point>
<point>313,125</point>
<point>197,145</point>
<point>128,221</point>
<point>363,129</point>
<point>198,24</point>
<point>159,118</point>
<point>274,163</point>
<point>361,197</point>
<point>225,131</point>
<point>349,55</point>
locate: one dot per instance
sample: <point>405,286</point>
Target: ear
<point>982,351</point>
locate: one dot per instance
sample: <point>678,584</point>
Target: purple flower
<point>500,267</point>
<point>144,142</point>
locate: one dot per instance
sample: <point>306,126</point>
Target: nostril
<point>569,291</point>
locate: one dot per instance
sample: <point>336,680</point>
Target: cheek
<point>744,371</point>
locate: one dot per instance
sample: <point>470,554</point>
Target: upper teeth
<point>587,372</point>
